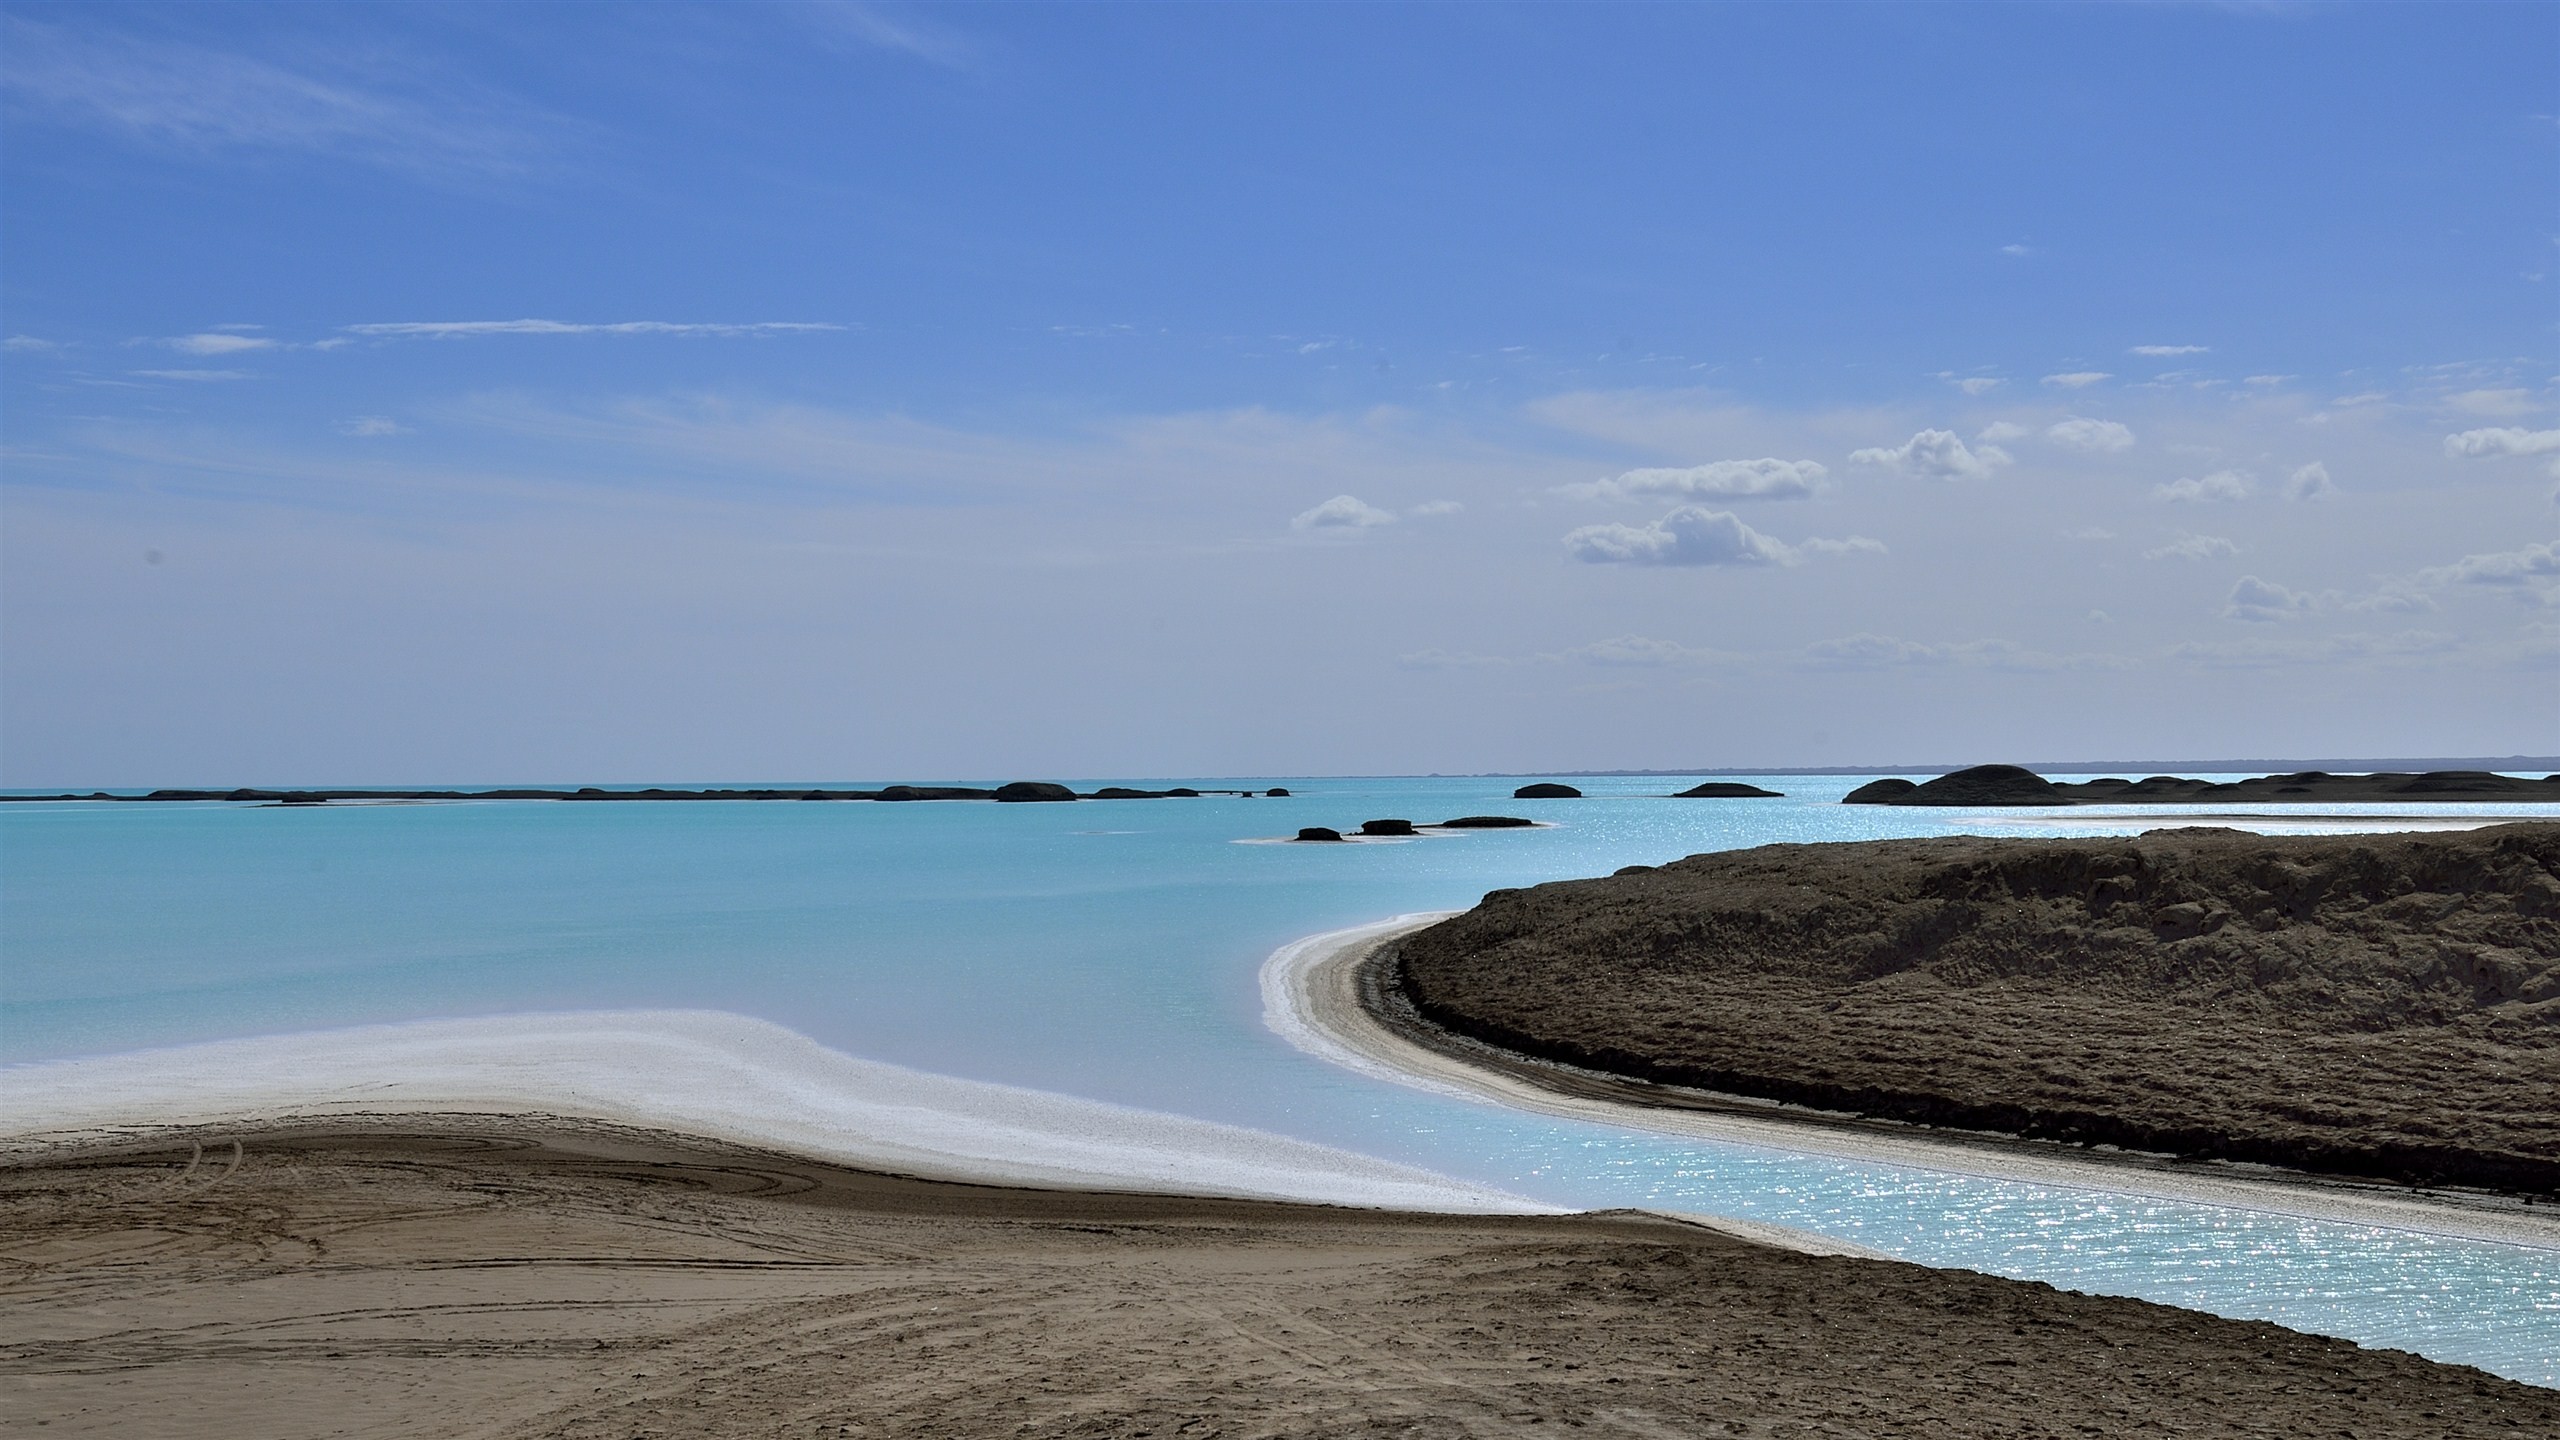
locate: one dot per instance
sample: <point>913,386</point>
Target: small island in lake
<point>2381,1006</point>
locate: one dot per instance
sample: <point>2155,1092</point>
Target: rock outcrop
<point>1021,791</point>
<point>1546,790</point>
<point>1728,790</point>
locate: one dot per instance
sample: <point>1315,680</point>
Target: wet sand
<point>494,1276</point>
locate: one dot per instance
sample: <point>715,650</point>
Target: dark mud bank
<point>2378,1007</point>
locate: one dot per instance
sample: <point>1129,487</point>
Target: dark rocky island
<point>1546,790</point>
<point>2382,1006</point>
<point>2010,785</point>
<point>1018,791</point>
<point>1728,790</point>
<point>1406,829</point>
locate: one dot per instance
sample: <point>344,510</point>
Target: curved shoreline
<point>1325,994</point>
<point>706,1074</point>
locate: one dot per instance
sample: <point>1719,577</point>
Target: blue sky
<point>507,393</point>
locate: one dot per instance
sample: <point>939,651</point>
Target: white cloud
<point>1692,535</point>
<point>1452,660</point>
<point>1638,651</point>
<point>2494,402</point>
<point>2394,598</point>
<point>192,375</point>
<point>2017,252</point>
<point>2505,440</point>
<point>2526,567</point>
<point>2078,379</point>
<point>2001,432</point>
<point>2090,532</point>
<point>1434,507</point>
<point>369,426</point>
<point>1764,479</point>
<point>2221,485</point>
<point>2362,397</point>
<point>2157,351</point>
<point>466,329</point>
<point>1933,455</point>
<point>1342,512</point>
<point>1619,652</point>
<point>2193,547</point>
<point>218,343</point>
<point>2310,482</point>
<point>1977,384</point>
<point>2265,381</point>
<point>2098,435</point>
<point>1854,545</point>
<point>1877,652</point>
<point>2270,652</point>
<point>2260,600</point>
<point>27,343</point>
<point>212,343</point>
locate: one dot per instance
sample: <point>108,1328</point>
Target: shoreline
<point>718,1077</point>
<point>1325,994</point>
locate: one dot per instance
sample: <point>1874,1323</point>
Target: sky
<point>507,394</point>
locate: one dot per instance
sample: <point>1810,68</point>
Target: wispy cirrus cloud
<point>2159,352</point>
<point>473,329</point>
<point>218,342</point>
<point>878,27</point>
<point>2406,645</point>
<point>177,96</point>
<point>1764,479</point>
<point>1868,651</point>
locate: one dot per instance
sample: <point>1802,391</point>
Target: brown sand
<point>2384,1006</point>
<point>486,1277</point>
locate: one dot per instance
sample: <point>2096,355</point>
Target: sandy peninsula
<point>494,1276</point>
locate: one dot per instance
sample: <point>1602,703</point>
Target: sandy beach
<point>488,1276</point>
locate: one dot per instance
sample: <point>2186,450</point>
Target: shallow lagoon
<point>1107,949</point>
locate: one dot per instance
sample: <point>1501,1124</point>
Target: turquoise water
<point>1107,949</point>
